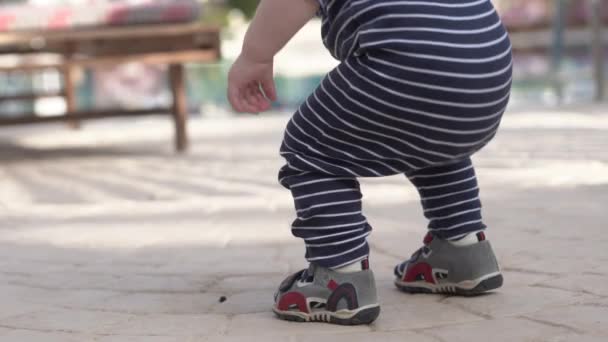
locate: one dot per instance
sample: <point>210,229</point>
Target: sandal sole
<point>484,286</point>
<point>362,316</point>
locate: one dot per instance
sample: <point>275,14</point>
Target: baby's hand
<point>245,81</point>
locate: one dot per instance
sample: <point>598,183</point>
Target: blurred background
<point>107,234</point>
<point>559,46</point>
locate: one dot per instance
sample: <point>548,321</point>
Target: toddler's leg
<point>329,217</point>
<point>456,257</point>
<point>450,199</point>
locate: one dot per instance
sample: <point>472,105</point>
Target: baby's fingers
<point>239,99</point>
<point>250,99</point>
<point>259,100</point>
<point>270,89</point>
<point>262,102</point>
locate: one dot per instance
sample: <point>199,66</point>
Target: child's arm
<point>274,24</point>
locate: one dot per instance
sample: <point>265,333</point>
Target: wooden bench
<point>172,45</point>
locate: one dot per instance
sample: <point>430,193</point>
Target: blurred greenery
<point>216,13</point>
<point>247,6</point>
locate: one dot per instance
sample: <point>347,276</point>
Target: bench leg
<point>180,106</point>
<point>69,84</point>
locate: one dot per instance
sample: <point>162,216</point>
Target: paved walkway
<point>105,235</point>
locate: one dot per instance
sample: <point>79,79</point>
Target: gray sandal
<point>442,267</point>
<point>321,295</point>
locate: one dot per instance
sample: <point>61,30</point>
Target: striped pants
<point>421,87</point>
<point>362,121</point>
<point>332,224</point>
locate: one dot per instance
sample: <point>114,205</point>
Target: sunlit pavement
<point>106,235</point>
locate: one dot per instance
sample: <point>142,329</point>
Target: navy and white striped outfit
<point>422,85</point>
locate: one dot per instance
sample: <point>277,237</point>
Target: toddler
<point>422,85</point>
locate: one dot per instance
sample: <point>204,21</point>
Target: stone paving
<point>106,235</point>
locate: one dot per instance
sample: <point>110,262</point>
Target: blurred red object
<point>530,14</point>
<point>97,13</point>
<point>525,14</point>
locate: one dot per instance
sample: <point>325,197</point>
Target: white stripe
<point>390,148</point>
<point>289,148</point>
<point>458,156</point>
<point>455,214</point>
<point>319,181</point>
<point>339,150</point>
<point>352,213</point>
<point>436,43</point>
<point>293,167</point>
<point>330,227</point>
<point>338,254</point>
<point>441,174</point>
<point>362,236</point>
<point>342,141</point>
<point>298,175</point>
<point>329,3</point>
<point>314,165</point>
<point>452,204</point>
<point>317,151</point>
<point>320,237</point>
<point>448,89</point>
<point>392,128</point>
<point>354,127</point>
<point>330,204</point>
<point>431,29</point>
<point>449,194</point>
<point>387,127</point>
<point>289,164</point>
<point>503,54</point>
<point>426,3</point>
<point>446,184</point>
<point>412,15</point>
<point>424,99</point>
<point>482,143</point>
<point>325,193</point>
<point>355,37</point>
<point>330,147</point>
<point>457,225</point>
<point>303,160</point>
<point>442,73</point>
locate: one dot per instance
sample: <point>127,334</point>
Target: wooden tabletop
<point>20,38</point>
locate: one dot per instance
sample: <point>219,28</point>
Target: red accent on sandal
<point>481,236</point>
<point>428,238</point>
<point>332,285</point>
<point>422,268</point>
<point>291,298</point>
